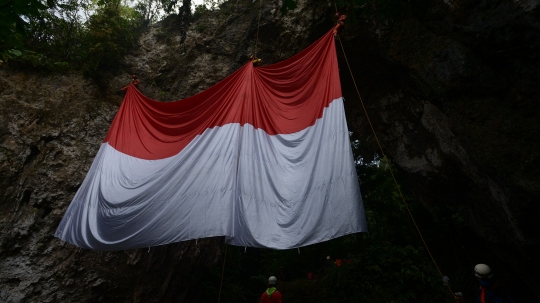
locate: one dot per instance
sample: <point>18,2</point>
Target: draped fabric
<point>262,158</point>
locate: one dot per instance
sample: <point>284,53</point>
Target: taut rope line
<point>393,177</point>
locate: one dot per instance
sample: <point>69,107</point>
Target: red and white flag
<point>262,158</point>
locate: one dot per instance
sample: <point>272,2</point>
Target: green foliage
<point>110,35</point>
<point>200,10</point>
<point>90,36</point>
<point>15,53</point>
<point>54,29</point>
<point>34,59</point>
<point>12,20</point>
<point>384,272</point>
<point>149,9</point>
<point>383,205</point>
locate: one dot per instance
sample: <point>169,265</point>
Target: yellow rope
<point>393,177</point>
<point>382,152</point>
<point>258,25</point>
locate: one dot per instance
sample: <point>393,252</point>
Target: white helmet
<point>482,271</point>
<point>272,280</point>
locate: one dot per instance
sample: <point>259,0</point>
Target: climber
<point>340,24</point>
<point>256,61</point>
<point>271,295</point>
<point>458,296</point>
<point>134,81</point>
<point>327,263</point>
<point>489,291</point>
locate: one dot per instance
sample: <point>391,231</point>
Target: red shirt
<point>275,298</point>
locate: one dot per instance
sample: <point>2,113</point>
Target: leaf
<point>15,52</point>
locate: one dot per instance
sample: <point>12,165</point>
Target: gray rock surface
<point>453,94</point>
<point>52,127</point>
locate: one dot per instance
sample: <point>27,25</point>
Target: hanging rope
<point>391,173</point>
<point>258,26</point>
<point>236,182</point>
<point>222,272</point>
<point>393,177</point>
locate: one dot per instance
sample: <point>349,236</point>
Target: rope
<point>393,177</point>
<point>258,25</point>
<point>222,272</point>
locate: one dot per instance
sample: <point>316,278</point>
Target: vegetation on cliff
<point>92,35</point>
<point>453,92</point>
<point>73,35</point>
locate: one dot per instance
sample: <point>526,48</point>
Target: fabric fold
<point>262,157</point>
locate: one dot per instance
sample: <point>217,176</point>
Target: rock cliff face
<point>455,100</point>
<point>50,135</point>
<point>453,93</point>
<point>52,126</point>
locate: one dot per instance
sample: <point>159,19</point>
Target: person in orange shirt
<point>489,291</point>
<point>340,24</point>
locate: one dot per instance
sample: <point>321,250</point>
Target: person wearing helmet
<point>134,80</point>
<point>327,263</point>
<point>271,295</point>
<point>340,24</point>
<point>489,291</point>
